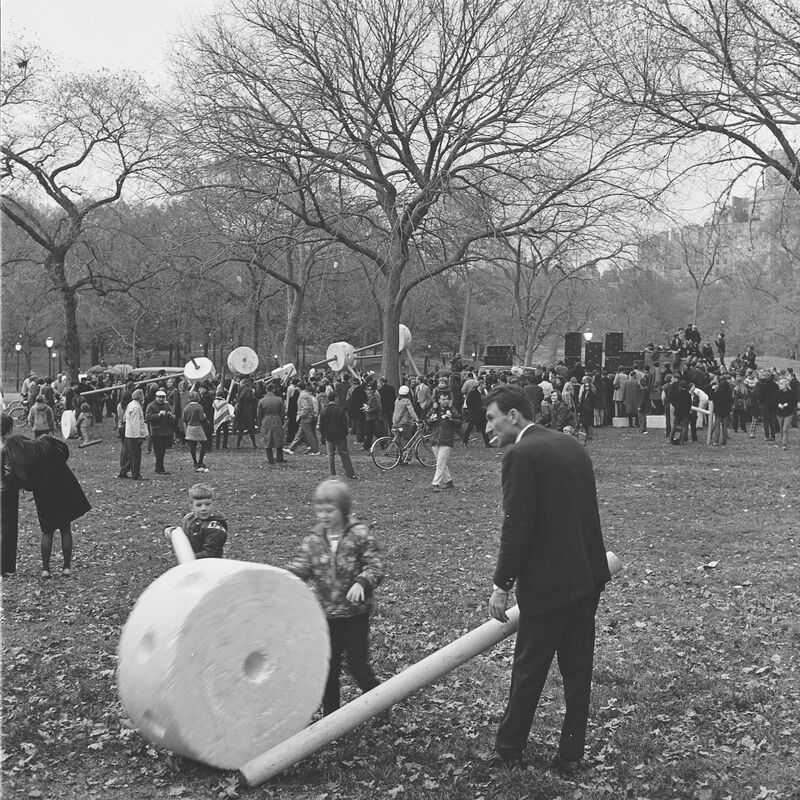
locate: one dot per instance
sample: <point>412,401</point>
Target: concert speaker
<point>594,356</point>
<point>613,345</point>
<point>572,345</point>
<point>611,363</point>
<point>627,358</point>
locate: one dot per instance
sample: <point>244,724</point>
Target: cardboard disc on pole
<point>199,369</point>
<point>340,355</point>
<point>220,660</point>
<point>243,361</point>
<point>404,339</point>
<point>69,425</point>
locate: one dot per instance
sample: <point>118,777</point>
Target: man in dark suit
<point>552,548</point>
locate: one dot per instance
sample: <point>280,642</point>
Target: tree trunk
<point>54,264</point>
<point>294,309</point>
<point>462,345</point>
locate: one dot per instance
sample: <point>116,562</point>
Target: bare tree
<point>724,73</point>
<point>70,146</point>
<point>406,131</point>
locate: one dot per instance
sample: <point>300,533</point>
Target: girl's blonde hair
<point>336,491</point>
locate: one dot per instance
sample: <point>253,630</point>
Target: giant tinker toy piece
<point>225,662</point>
<point>342,356</point>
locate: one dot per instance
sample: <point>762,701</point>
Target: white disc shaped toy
<point>198,369</point>
<point>340,355</point>
<point>221,660</point>
<point>404,338</point>
<point>243,361</point>
<point>69,425</point>
<point>284,373</point>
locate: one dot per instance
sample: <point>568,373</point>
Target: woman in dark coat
<point>40,465</point>
<point>245,413</point>
<point>9,513</point>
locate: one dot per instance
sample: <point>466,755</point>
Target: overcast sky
<point>136,34</point>
<point>90,34</point>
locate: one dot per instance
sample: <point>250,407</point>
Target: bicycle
<point>19,412</point>
<point>389,451</point>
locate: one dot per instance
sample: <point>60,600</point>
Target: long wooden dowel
<point>397,688</point>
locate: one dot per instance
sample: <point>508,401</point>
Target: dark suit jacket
<point>551,542</point>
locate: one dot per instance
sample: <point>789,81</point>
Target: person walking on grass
<point>40,417</point>
<point>270,414</point>
<point>445,425</point>
<point>334,426</point>
<point>40,466</point>
<point>159,418</point>
<point>306,414</point>
<point>135,434</point>
<point>552,551</point>
<point>194,418</point>
<point>785,404</point>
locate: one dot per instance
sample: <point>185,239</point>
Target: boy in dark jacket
<point>333,427</point>
<point>206,530</point>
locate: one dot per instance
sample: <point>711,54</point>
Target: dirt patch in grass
<point>696,687</point>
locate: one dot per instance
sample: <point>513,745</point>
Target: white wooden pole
<point>397,688</point>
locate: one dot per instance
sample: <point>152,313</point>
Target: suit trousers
<point>133,457</point>
<point>568,634</point>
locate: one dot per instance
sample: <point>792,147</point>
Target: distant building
<point>752,237</point>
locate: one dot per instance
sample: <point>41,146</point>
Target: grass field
<point>696,692</point>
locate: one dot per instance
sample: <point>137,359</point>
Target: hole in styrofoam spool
<point>152,725</point>
<point>257,667</point>
<point>146,646</point>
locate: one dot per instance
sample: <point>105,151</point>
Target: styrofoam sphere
<point>340,355</point>
<point>221,660</point>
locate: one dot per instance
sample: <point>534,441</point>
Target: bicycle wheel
<point>424,452</point>
<point>19,414</point>
<point>385,453</point>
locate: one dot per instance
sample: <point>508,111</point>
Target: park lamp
<point>48,342</point>
<point>18,346</point>
<point>587,336</point>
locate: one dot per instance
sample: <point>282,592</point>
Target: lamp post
<point>18,348</point>
<point>48,343</point>
<point>587,337</point>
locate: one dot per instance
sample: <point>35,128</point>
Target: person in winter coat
<point>334,425</point>
<point>306,416</point>
<point>631,398</point>
<point>556,414</point>
<point>194,418</point>
<point>135,434</point>
<point>785,404</point>
<point>619,381</point>
<point>373,412</point>
<point>158,416</point>
<point>721,395</point>
<point>40,417</point>
<point>764,405</point>
<point>271,414</point>
<point>404,415</point>
<point>681,402</point>
<point>445,423</point>
<point>476,414</point>
<point>40,466</point>
<point>342,561</point>
<point>245,413</point>
<point>586,403</point>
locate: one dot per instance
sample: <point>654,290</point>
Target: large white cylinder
<point>221,660</point>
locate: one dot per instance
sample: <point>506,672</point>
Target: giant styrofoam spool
<point>284,373</point>
<point>404,338</point>
<point>340,355</point>
<point>69,424</point>
<point>221,660</point>
<point>199,369</point>
<point>243,361</point>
